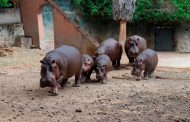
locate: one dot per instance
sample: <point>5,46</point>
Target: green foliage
<point>146,11</point>
<point>182,12</point>
<point>94,7</point>
<point>163,11</point>
<point>5,3</point>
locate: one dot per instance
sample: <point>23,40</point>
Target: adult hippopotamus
<point>60,64</point>
<point>87,67</point>
<point>113,49</point>
<point>134,45</point>
<point>102,67</point>
<point>147,61</point>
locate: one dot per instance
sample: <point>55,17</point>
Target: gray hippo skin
<point>87,67</point>
<point>102,67</point>
<point>147,61</point>
<point>134,45</point>
<point>113,49</point>
<point>60,64</point>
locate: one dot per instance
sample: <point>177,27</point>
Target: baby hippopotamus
<point>59,65</point>
<point>87,67</point>
<point>147,61</point>
<point>134,45</point>
<point>113,49</point>
<point>102,67</point>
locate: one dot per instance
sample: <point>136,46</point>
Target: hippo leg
<point>105,79</point>
<point>114,63</point>
<point>118,64</point>
<point>64,82</point>
<point>150,73</point>
<point>88,75</point>
<point>131,60</point>
<point>83,78</point>
<point>77,79</point>
<point>146,74</point>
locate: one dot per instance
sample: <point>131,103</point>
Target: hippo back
<point>68,59</point>
<point>110,47</point>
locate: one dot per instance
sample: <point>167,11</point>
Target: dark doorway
<point>164,39</point>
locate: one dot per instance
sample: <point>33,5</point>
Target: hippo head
<point>100,51</point>
<point>86,65</point>
<point>49,73</point>
<point>100,72</point>
<point>134,49</point>
<point>138,66</point>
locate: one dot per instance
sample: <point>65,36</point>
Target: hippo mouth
<point>133,55</point>
<point>44,84</point>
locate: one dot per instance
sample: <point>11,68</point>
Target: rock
<point>98,96</point>
<point>79,110</point>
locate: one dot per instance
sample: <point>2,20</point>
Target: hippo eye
<point>136,43</point>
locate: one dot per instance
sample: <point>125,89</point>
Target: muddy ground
<point>122,99</point>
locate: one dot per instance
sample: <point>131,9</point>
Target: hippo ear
<point>129,40</point>
<point>41,61</point>
<point>94,57</point>
<point>140,61</point>
<point>88,62</point>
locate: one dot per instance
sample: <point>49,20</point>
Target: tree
<point>123,11</point>
<point>5,3</point>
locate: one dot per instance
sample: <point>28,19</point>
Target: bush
<point>146,11</point>
<point>5,3</point>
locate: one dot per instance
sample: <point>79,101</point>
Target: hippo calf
<point>60,64</point>
<point>147,61</point>
<point>113,49</point>
<point>134,45</point>
<point>102,67</point>
<point>87,67</point>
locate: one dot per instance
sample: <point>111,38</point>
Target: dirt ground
<point>122,99</point>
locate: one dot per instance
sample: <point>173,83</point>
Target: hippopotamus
<point>134,45</point>
<point>87,67</point>
<point>59,65</point>
<point>147,61</point>
<point>113,49</point>
<point>102,67</point>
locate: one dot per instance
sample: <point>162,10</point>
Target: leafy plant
<point>94,7</point>
<point>146,10</point>
<point>5,3</point>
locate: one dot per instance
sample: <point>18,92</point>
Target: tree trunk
<point>122,30</point>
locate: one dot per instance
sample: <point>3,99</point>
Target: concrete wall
<point>8,34</point>
<point>182,37</point>
<point>9,16</point>
<point>10,26</point>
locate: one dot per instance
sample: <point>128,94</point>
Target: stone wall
<point>182,37</point>
<point>8,34</point>
<point>9,16</point>
<point>10,26</point>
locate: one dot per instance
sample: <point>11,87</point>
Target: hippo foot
<point>63,84</point>
<point>129,64</point>
<point>145,78</point>
<point>117,68</point>
<point>138,79</point>
<point>53,93</point>
<point>102,81</point>
<point>76,85</point>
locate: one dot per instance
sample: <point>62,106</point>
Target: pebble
<point>78,110</point>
